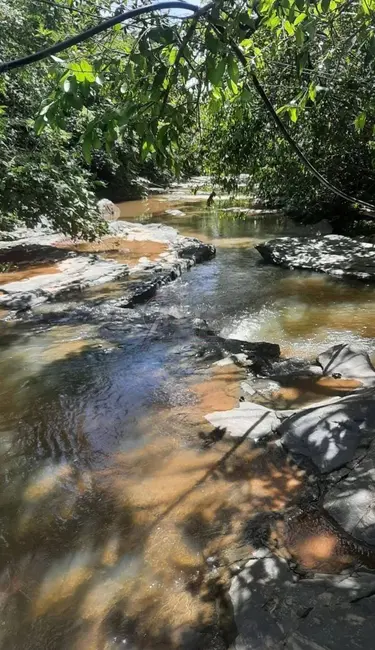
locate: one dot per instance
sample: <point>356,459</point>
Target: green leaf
<point>273,21</point>
<point>40,124</point>
<point>86,146</point>
<point>312,92</point>
<point>247,43</point>
<point>172,55</point>
<point>300,18</point>
<point>300,38</point>
<point>360,122</point>
<point>83,71</point>
<point>233,70</point>
<point>293,114</point>
<point>212,43</point>
<point>215,71</point>
<point>288,27</point>
<point>325,5</point>
<point>365,7</point>
<point>233,87</point>
<point>246,95</point>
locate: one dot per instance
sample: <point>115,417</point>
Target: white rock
<point>108,210</point>
<point>252,419</point>
<point>347,360</point>
<point>334,254</point>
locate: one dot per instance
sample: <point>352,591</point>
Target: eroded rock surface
<point>329,433</point>
<point>274,610</point>
<point>334,254</point>
<point>76,270</point>
<point>351,501</point>
<point>253,420</point>
<point>348,361</point>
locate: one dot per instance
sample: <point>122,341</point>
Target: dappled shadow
<point>329,434</point>
<point>124,552</point>
<point>274,609</point>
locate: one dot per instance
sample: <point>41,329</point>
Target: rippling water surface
<point>118,507</point>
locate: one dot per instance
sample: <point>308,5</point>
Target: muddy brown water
<point>122,512</point>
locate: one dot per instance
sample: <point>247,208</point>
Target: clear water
<point>112,501</point>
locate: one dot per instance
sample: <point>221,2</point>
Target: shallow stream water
<point>118,508</point>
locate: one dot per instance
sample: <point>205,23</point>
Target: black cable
<point>88,33</point>
<point>171,4</point>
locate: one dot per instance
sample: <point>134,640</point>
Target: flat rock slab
<point>273,610</point>
<point>75,271</point>
<point>253,420</point>
<point>351,501</point>
<point>334,254</point>
<point>348,361</point>
<point>329,434</point>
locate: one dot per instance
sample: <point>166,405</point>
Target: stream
<point>120,515</point>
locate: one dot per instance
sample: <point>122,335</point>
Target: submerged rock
<point>334,254</point>
<point>329,433</point>
<point>258,352</point>
<point>348,361</point>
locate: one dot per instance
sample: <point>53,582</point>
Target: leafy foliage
<point>169,91</point>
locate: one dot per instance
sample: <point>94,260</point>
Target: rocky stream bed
<point>257,532</point>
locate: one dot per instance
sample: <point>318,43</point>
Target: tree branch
<point>107,24</point>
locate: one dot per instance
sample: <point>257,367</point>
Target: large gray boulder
<point>348,361</point>
<point>334,254</point>
<point>351,501</point>
<point>253,420</point>
<point>329,433</point>
<point>108,210</point>
<point>274,610</point>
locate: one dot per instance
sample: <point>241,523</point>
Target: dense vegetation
<point>159,93</point>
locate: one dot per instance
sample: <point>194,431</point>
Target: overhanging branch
<point>106,24</point>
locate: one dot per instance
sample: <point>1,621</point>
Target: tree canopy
<point>161,91</point>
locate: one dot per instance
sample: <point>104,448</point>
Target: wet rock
<point>76,273</point>
<point>257,352</point>
<point>329,433</point>
<point>348,361</point>
<point>108,210</point>
<point>351,501</point>
<point>272,609</point>
<point>78,270</point>
<point>253,420</point>
<point>293,367</point>
<point>140,292</point>
<point>334,254</point>
<point>195,250</point>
